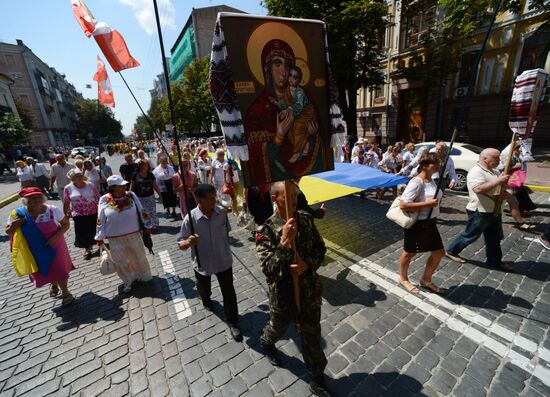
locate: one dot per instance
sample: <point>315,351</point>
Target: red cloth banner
<point>114,47</point>
<point>84,17</point>
<point>105,94</point>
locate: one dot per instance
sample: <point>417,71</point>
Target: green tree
<point>198,108</point>
<point>13,132</point>
<point>354,30</point>
<point>143,128</point>
<point>158,113</point>
<point>99,121</point>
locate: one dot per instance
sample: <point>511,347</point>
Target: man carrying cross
<point>274,249</point>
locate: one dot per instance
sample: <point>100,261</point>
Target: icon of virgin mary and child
<point>281,125</point>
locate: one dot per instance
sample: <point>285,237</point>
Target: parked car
<point>464,155</point>
<point>90,149</point>
<point>78,150</point>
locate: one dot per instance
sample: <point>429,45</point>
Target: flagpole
<point>469,91</point>
<point>172,120</point>
<point>145,115</point>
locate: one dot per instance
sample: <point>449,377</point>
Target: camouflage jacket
<point>275,259</point>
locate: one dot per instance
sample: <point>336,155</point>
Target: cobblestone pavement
<point>488,336</point>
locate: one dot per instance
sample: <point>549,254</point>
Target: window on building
<point>467,68</point>
<point>535,52</point>
<point>488,66</point>
<point>499,72</point>
<point>416,21</point>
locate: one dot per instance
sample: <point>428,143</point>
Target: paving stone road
<point>488,336</point>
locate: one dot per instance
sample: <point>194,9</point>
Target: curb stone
<point>9,200</point>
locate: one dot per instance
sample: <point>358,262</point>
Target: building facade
<point>44,92</point>
<point>427,108</point>
<point>7,104</point>
<point>159,87</point>
<point>195,39</point>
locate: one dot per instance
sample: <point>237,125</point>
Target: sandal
<point>525,227</point>
<point>431,287</point>
<point>455,258</point>
<point>67,300</point>
<point>54,291</point>
<point>409,287</point>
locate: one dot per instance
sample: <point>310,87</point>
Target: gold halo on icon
<point>304,67</point>
<point>270,31</point>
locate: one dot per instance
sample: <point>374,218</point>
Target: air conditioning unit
<point>460,92</point>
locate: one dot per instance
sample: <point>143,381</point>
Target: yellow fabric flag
<point>21,255</point>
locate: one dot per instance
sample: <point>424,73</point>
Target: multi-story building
<point>44,92</point>
<point>195,39</point>
<point>159,87</point>
<point>7,104</point>
<point>426,107</point>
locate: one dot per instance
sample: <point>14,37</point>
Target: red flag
<point>83,16</point>
<point>104,90</point>
<point>114,47</point>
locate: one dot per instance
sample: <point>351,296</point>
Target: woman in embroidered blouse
<point>80,202</point>
<point>52,224</point>
<point>163,174</point>
<point>119,214</point>
<point>204,164</point>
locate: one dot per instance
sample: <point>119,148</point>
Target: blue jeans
<point>481,223</point>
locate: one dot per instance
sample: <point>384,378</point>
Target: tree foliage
<point>99,122</point>
<point>354,31</point>
<point>193,107</point>
<point>13,132</point>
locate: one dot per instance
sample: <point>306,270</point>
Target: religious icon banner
<point>271,85</point>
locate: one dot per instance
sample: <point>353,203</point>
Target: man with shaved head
<point>275,252</point>
<point>482,182</point>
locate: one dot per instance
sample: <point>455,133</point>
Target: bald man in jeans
<point>482,182</point>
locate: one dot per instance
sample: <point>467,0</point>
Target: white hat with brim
<point>116,180</point>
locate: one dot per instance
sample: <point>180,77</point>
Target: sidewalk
<point>489,335</point>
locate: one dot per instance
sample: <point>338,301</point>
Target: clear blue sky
<point>50,30</point>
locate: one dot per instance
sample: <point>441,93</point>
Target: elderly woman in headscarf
<point>44,226</point>
<point>92,174</point>
<point>80,199</point>
<point>24,173</point>
<point>119,216</point>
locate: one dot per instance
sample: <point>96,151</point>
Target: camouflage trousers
<point>282,312</point>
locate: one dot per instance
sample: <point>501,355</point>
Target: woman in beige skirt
<point>119,215</point>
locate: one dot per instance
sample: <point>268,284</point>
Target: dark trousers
<point>281,313</point>
<point>4,167</point>
<point>481,223</point>
<point>225,279</point>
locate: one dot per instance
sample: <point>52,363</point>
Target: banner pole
<point>460,117</point>
<point>146,117</point>
<point>172,119</point>
<point>290,213</point>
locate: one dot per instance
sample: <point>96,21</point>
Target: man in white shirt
<point>59,174</point>
<point>41,175</point>
<point>482,182</point>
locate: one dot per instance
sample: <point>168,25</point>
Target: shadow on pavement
<point>534,270</point>
<point>88,309</point>
<point>4,238</point>
<point>484,297</point>
<point>375,384</point>
<point>340,291</point>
